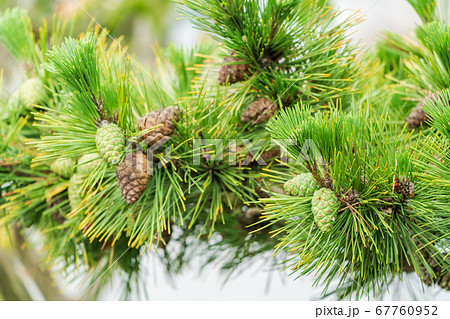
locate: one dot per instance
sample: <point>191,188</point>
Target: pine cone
<point>324,207</point>
<point>259,111</point>
<point>266,156</point>
<point>426,277</point>
<point>270,154</point>
<point>232,73</point>
<point>88,163</point>
<point>63,167</point>
<point>165,118</point>
<point>301,185</point>
<point>404,187</point>
<point>133,175</point>
<point>252,215</point>
<point>444,281</point>
<point>75,183</point>
<point>110,143</point>
<point>14,103</point>
<point>32,92</point>
<point>418,116</point>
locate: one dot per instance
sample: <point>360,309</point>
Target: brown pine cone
<point>259,111</point>
<point>246,160</point>
<point>418,116</point>
<point>444,282</point>
<point>232,73</point>
<point>165,118</point>
<point>133,175</point>
<point>270,154</point>
<point>426,276</point>
<point>248,216</point>
<point>252,215</point>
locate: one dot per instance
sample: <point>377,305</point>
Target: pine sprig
<point>16,34</point>
<point>382,201</point>
<point>426,9</point>
<point>77,64</point>
<point>299,52</point>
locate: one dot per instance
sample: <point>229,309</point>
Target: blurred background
<point>144,23</point>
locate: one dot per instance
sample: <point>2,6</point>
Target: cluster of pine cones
<point>133,167</point>
<point>235,70</point>
<point>324,202</point>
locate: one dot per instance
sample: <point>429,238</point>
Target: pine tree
<point>107,160</point>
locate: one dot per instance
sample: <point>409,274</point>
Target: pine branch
<point>16,35</point>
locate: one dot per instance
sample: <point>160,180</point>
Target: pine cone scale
<point>161,121</point>
<point>259,111</point>
<point>232,73</point>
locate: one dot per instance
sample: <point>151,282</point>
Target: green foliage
<point>424,62</point>
<point>434,68</point>
<point>333,122</point>
<point>425,9</point>
<point>16,34</point>
<point>76,63</point>
<point>291,55</point>
<point>383,203</point>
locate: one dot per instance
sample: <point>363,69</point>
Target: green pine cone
<point>63,167</point>
<point>14,102</point>
<point>32,92</point>
<point>14,106</point>
<point>110,143</point>
<point>301,185</point>
<point>325,205</point>
<point>75,183</point>
<point>289,185</point>
<point>88,163</point>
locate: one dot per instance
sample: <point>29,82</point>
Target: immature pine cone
<point>165,118</point>
<point>63,167</point>
<point>259,111</point>
<point>88,163</point>
<point>301,185</point>
<point>133,175</point>
<point>14,103</point>
<point>324,207</point>
<point>32,92</point>
<point>110,143</point>
<point>75,183</point>
<point>232,73</point>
